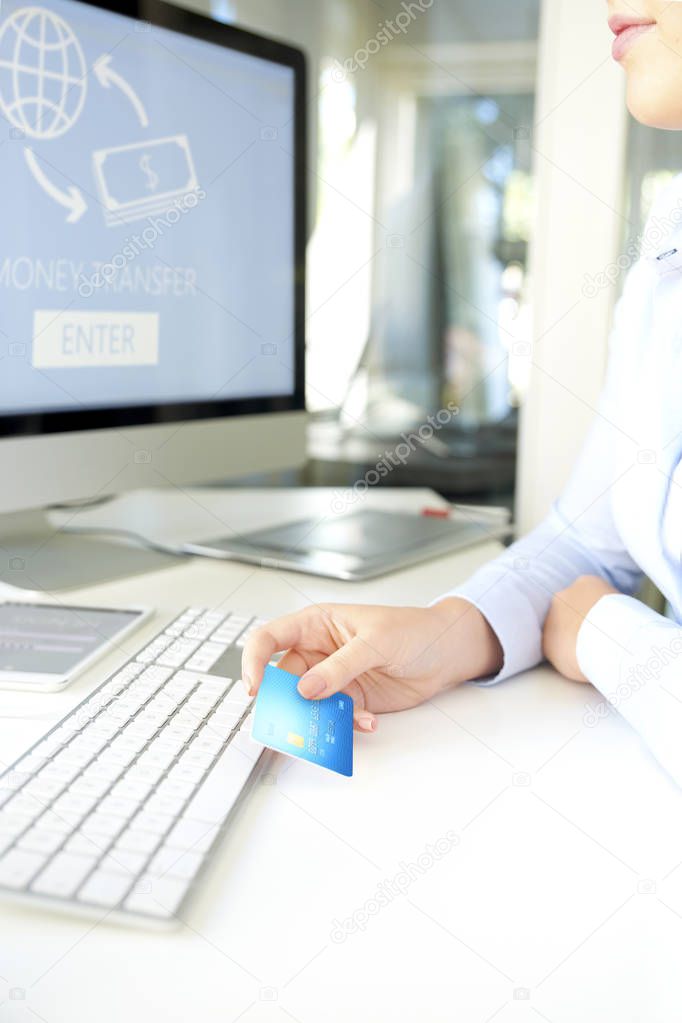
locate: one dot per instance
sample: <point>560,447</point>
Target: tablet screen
<point>43,639</point>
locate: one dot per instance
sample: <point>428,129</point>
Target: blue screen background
<point>228,335</point>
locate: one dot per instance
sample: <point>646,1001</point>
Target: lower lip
<point>626,39</point>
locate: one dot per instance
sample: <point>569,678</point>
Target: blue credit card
<point>320,731</point>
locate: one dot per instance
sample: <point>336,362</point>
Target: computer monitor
<point>152,255</point>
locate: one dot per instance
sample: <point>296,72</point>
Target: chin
<point>654,108</point>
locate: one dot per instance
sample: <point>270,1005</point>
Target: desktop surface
<point>496,855</point>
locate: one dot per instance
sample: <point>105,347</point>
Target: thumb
<point>338,670</point>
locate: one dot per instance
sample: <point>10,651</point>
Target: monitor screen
<point>148,242</point>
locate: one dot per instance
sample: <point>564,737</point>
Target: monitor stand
<point>37,554</point>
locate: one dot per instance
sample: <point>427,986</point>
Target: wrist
<point>469,645</point>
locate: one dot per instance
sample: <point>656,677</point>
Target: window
<point>422,198</point>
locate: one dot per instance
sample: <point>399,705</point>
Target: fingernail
<point>367,722</point>
<point>311,686</point>
<point>246,679</point>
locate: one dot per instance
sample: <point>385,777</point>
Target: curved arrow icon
<point>72,199</point>
<point>106,76</point>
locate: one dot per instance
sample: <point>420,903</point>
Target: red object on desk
<point>436,513</point>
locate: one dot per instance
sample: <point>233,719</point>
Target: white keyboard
<point>117,809</point>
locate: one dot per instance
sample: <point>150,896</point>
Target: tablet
<point>43,647</point>
<point>357,545</point>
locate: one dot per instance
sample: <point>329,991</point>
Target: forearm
<point>632,656</point>
<point>514,592</point>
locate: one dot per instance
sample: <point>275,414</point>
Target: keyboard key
<point>156,759</point>
<point>102,824</point>
<point>157,823</point>
<point>105,768</point>
<point>40,841</point>
<point>156,647</point>
<point>155,674</point>
<point>82,845</point>
<point>118,807</point>
<point>93,739</point>
<point>12,781</point>
<point>63,875</point>
<point>219,792</point>
<point>196,758</point>
<point>24,805</point>
<point>105,888</point>
<point>18,866</point>
<point>65,768</point>
<point>162,897</point>
<point>137,789</point>
<point>187,832</point>
<point>190,773</point>
<point>147,775</point>
<point>30,764</point>
<point>224,721</point>
<point>44,788</point>
<point>51,821</point>
<point>5,794</point>
<point>12,824</point>
<point>170,806</point>
<point>137,841</point>
<point>89,785</point>
<point>116,754</point>
<point>141,729</point>
<point>72,755</point>
<point>179,733</point>
<point>173,863</point>
<point>201,661</point>
<point>124,861</point>
<point>74,805</point>
<point>171,744</point>
<point>5,842</point>
<point>174,789</point>
<point>178,652</point>
<point>105,726</point>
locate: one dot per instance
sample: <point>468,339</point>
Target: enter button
<point>79,340</point>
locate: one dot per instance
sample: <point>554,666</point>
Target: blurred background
<point>472,168</point>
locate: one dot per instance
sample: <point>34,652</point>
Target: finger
<point>299,661</point>
<point>262,644</point>
<point>363,721</point>
<point>339,670</point>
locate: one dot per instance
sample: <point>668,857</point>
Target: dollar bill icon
<point>143,179</point>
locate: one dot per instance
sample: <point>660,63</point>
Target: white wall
<point>579,151</point>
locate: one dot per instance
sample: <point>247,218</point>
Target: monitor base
<point>36,553</point>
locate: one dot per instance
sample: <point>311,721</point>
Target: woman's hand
<point>384,658</point>
<point>568,611</point>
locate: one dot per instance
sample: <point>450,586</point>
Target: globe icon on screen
<point>42,73</point>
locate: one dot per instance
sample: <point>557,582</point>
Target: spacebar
<point>220,791</point>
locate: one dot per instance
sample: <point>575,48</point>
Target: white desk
<point>544,908</point>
